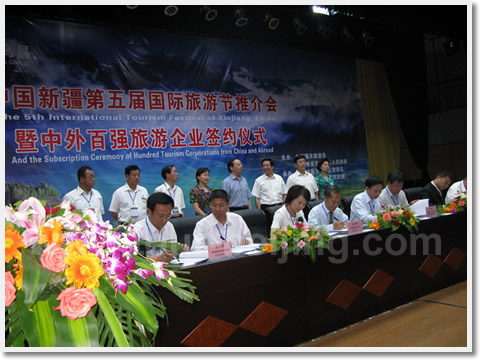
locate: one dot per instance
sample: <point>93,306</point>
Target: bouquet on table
<point>300,238</point>
<point>458,204</point>
<point>73,281</point>
<point>394,217</point>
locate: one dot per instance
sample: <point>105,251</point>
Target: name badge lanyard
<point>292,218</point>
<point>150,232</point>
<point>394,199</point>
<point>326,214</point>
<point>220,233</point>
<point>88,200</point>
<point>133,199</point>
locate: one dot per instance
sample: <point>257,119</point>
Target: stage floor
<point>435,320</point>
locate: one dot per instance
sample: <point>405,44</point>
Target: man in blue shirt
<point>236,186</point>
<point>328,214</point>
<point>365,204</point>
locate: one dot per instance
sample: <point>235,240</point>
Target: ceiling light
<point>170,10</point>
<point>299,27</point>
<point>132,7</point>
<point>210,14</point>
<point>320,10</point>
<point>271,21</point>
<point>241,20</point>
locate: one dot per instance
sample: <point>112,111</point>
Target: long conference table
<point>264,301</point>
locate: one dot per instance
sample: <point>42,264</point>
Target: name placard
<point>222,249</point>
<point>354,227</point>
<point>431,211</point>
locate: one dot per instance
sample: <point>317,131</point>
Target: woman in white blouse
<point>292,211</point>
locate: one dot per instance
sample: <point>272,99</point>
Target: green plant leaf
<point>109,313</point>
<point>35,277</point>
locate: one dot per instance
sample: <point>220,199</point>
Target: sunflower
<point>52,234</point>
<point>13,241</point>
<point>83,270</point>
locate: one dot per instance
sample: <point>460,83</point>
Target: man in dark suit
<point>434,191</point>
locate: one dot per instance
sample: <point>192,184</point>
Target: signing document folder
<point>419,207</point>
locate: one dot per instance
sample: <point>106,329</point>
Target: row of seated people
<point>253,225</point>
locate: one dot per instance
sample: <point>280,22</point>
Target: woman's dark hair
<point>296,191</point>
<point>320,163</point>
<point>200,171</point>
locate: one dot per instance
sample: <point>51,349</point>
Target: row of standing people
<point>129,201</point>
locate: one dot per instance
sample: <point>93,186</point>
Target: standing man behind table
<point>460,187</point>
<point>130,200</point>
<point>303,177</point>
<point>328,214</point>
<point>170,174</point>
<point>220,225</point>
<point>269,189</point>
<point>392,194</point>
<point>434,191</point>
<point>236,186</point>
<point>365,205</point>
<point>156,227</point>
<point>85,196</point>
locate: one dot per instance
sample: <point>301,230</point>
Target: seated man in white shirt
<point>460,187</point>
<point>393,195</point>
<point>170,174</point>
<point>156,227</point>
<point>328,214</point>
<point>220,225</point>
<point>85,197</point>
<point>365,205</point>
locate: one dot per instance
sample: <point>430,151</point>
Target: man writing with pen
<point>220,225</point>
<point>328,214</point>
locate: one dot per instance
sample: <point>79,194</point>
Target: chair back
<point>184,227</point>
<point>256,222</point>
<point>414,193</point>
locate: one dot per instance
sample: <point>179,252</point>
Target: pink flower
<point>306,227</point>
<point>76,303</point>
<point>395,214</point>
<point>9,289</point>
<point>284,245</point>
<point>461,203</point>
<point>387,217</point>
<point>453,210</point>
<point>301,244</point>
<point>53,258</point>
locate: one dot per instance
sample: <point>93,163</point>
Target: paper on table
<point>419,207</point>
<point>194,254</point>
<point>188,261</point>
<point>245,248</point>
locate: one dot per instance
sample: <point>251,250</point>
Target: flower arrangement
<point>73,281</point>
<point>458,204</point>
<point>300,238</point>
<point>394,217</point>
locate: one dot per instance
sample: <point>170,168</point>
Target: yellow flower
<point>18,268</point>
<point>83,270</point>
<point>289,232</point>
<point>76,247</point>
<point>412,221</point>
<point>13,241</point>
<point>49,234</point>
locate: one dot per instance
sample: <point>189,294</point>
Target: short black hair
<point>372,181</point>
<point>158,198</point>
<point>200,171</point>
<point>330,190</point>
<point>298,157</point>
<point>218,194</point>
<point>296,191</point>
<point>82,172</point>
<point>230,163</point>
<point>445,173</point>
<point>268,159</point>
<point>395,175</point>
<point>167,170</point>
<point>131,168</point>
<point>320,163</point>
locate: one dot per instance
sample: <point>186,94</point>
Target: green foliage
<point>16,191</point>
